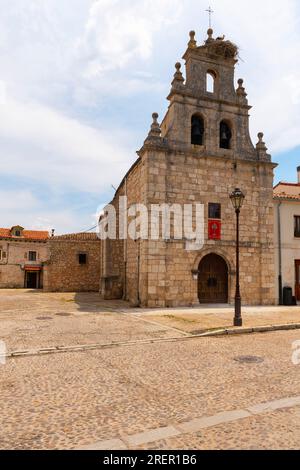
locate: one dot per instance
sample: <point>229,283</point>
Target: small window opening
<point>214,210</point>
<point>82,257</point>
<point>210,82</point>
<point>32,256</point>
<point>297,226</point>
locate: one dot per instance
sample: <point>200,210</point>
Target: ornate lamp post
<point>237,198</point>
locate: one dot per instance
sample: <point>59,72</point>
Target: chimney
<point>298,173</point>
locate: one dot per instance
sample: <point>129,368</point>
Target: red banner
<point>214,229</point>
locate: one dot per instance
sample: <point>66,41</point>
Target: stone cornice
<point>188,92</point>
<point>201,53</point>
<point>185,151</point>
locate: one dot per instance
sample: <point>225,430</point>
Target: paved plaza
<point>148,383</point>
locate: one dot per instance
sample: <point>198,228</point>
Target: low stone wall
<point>64,273</point>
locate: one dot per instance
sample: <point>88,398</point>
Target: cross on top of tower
<point>210,12</point>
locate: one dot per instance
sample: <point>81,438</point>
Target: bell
<point>224,135</point>
<point>197,131</point>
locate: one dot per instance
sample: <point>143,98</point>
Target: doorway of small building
<point>32,280</point>
<point>213,280</point>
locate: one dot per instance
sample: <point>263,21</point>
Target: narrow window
<point>225,135</point>
<point>297,226</point>
<point>82,257</point>
<point>214,210</point>
<point>32,256</point>
<point>0,254</point>
<point>197,130</point>
<point>17,233</point>
<point>210,82</point>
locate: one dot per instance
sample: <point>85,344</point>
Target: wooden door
<point>32,280</point>
<point>213,280</point>
<point>297,279</point>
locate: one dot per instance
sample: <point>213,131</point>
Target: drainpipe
<point>138,274</point>
<point>279,255</point>
<point>125,252</point>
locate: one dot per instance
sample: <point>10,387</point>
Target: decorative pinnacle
<point>155,130</point>
<point>241,90</point>
<point>260,136</point>
<point>261,144</point>
<point>192,42</point>
<point>210,38</point>
<point>178,78</point>
<point>155,117</point>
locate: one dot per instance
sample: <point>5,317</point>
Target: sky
<point>79,80</point>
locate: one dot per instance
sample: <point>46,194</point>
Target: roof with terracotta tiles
<point>287,191</point>
<point>26,234</point>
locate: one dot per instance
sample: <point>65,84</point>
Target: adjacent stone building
<point>199,153</point>
<point>22,257</point>
<point>73,264</point>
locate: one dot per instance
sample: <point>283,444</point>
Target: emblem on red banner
<point>214,229</point>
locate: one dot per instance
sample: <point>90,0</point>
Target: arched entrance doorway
<point>213,280</point>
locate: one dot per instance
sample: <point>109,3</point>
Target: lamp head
<point>237,198</point>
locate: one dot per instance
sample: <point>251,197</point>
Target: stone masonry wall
<point>63,273</point>
<point>181,178</point>
<point>120,260</point>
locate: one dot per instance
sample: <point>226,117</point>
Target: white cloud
<point>118,32</point>
<point>48,147</point>
<point>16,200</point>
<point>21,207</point>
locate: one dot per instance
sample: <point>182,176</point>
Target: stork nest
<point>225,49</point>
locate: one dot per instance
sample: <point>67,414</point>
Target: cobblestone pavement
<point>36,319</point>
<point>73,400</point>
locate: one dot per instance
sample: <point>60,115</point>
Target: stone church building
<point>200,152</point>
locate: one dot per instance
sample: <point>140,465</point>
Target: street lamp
<point>237,198</point>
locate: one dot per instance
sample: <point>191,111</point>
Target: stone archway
<point>213,279</point>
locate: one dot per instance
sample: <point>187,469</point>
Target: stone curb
<point>206,334</point>
<point>125,441</point>
<point>255,329</point>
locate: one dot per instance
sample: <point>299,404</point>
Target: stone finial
<point>241,90</point>
<point>155,130</point>
<point>154,138</point>
<point>192,42</point>
<point>210,38</point>
<point>155,117</point>
<point>261,146</point>
<point>178,78</point>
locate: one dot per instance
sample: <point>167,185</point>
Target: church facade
<point>200,153</point>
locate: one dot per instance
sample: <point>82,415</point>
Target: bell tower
<point>208,113</point>
<point>200,152</point>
